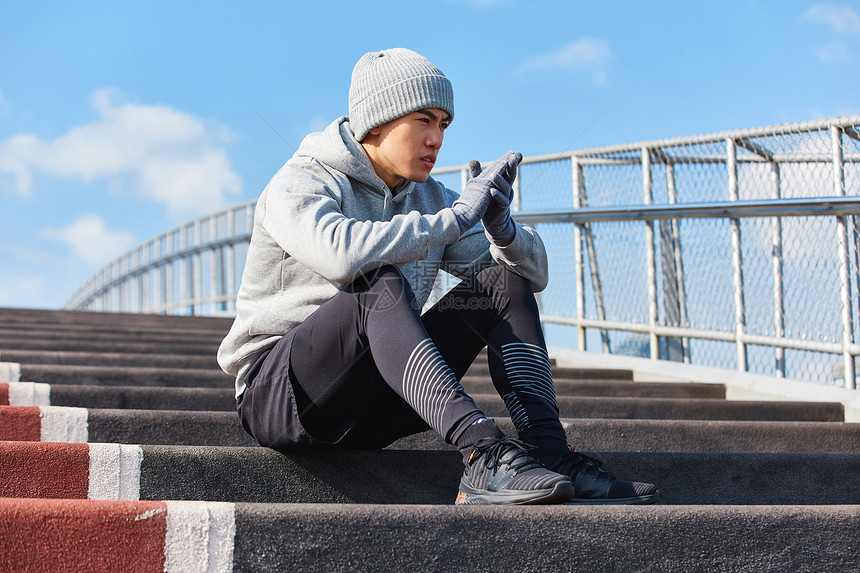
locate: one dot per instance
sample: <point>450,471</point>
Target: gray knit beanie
<point>392,83</point>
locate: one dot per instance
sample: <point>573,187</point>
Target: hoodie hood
<point>337,147</point>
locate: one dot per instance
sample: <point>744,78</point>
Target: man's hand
<point>497,218</point>
<point>477,194</point>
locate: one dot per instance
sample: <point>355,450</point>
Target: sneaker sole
<point>637,500</point>
<point>560,493</point>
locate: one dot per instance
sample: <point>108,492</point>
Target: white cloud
<point>831,52</point>
<point>171,155</point>
<point>91,240</point>
<point>844,25</point>
<point>841,19</point>
<point>586,54</point>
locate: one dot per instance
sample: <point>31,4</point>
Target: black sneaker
<point>500,471</point>
<point>594,486</point>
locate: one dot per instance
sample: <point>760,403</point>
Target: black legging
<point>367,368</point>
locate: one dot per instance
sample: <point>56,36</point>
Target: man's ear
<point>374,131</point>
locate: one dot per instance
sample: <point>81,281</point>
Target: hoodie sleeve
<point>302,215</point>
<point>524,256</point>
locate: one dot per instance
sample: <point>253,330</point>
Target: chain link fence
<point>775,295</point>
<point>736,250</point>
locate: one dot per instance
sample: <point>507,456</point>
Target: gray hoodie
<point>326,218</point>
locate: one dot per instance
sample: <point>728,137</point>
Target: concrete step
<point>13,328</point>
<point>121,397</point>
<point>221,399</point>
<point>607,387</point>
<point>73,344</point>
<point>113,359</point>
<point>125,376</point>
<point>96,338</point>
<point>153,427</point>
<point>119,359</point>
<point>591,373</point>
<point>109,335</point>
<point>183,377</point>
<point>679,409</point>
<point>111,319</point>
<point>491,404</point>
<point>206,428</point>
<point>602,435</point>
<point>53,535</point>
<point>254,474</point>
<point>740,481</point>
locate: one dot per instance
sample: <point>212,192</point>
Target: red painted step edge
<point>81,535</point>
<point>21,424</point>
<point>24,471</point>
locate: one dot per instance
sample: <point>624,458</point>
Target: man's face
<point>406,148</point>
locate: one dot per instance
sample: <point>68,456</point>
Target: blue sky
<point>121,120</point>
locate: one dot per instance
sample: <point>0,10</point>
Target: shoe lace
<point>581,463</point>
<point>494,450</point>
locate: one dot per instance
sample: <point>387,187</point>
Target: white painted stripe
<point>428,383</point>
<point>115,471</point>
<point>29,394</point>
<point>528,370</point>
<point>526,346</point>
<point>199,536</point>
<point>10,372</point>
<point>61,424</point>
<point>518,414</point>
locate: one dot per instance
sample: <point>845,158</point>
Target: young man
<point>329,348</point>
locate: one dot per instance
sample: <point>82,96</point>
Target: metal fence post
<point>183,268</point>
<point>123,290</point>
<point>115,297</point>
<point>844,260</point>
<point>678,261</point>
<point>197,273</point>
<point>856,234</point>
<point>578,265</point>
<point>157,277</point>
<point>596,285</point>
<point>106,293</point>
<point>136,281</point>
<point>776,251</point>
<point>168,275</point>
<point>144,281</point>
<point>213,264</point>
<point>737,256</point>
<point>854,133</point>
<point>591,250</point>
<point>650,255</point>
<point>230,272</point>
<point>777,264</point>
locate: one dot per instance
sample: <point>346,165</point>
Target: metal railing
<point>678,330</point>
<point>736,250</point>
<point>722,249</point>
<point>193,269</point>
